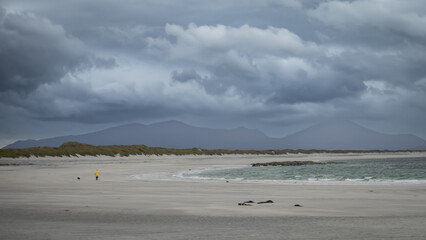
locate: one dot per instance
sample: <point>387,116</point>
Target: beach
<point>42,198</point>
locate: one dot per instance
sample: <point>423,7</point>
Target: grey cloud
<point>393,16</point>
<point>297,71</point>
<point>278,62</point>
<point>104,62</point>
<point>216,85</point>
<point>403,67</point>
<point>113,112</point>
<point>35,51</point>
<point>318,90</point>
<point>236,57</point>
<point>80,103</point>
<point>186,75</point>
<point>244,40</point>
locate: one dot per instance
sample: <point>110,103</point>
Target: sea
<point>351,171</point>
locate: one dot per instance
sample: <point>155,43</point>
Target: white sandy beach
<point>45,200</point>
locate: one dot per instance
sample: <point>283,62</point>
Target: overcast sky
<point>76,66</point>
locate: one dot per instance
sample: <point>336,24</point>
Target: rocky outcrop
<point>292,163</point>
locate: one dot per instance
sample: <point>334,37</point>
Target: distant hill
<point>170,134</point>
<point>337,135</point>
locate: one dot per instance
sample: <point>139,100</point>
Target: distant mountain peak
<point>170,122</point>
<point>334,123</point>
<point>327,135</point>
<point>171,134</point>
<point>347,135</point>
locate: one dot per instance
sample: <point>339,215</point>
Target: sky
<point>77,66</point>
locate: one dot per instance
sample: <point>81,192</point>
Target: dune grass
<point>76,148</point>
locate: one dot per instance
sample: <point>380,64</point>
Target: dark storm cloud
<point>35,51</point>
<point>270,64</point>
<point>393,17</point>
<point>112,112</point>
<point>260,63</point>
<point>186,75</point>
<point>392,44</point>
<point>104,62</point>
<point>318,90</point>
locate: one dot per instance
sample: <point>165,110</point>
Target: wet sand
<point>45,200</point>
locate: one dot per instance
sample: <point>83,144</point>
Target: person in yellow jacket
<point>97,175</point>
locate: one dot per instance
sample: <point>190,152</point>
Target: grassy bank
<point>75,148</point>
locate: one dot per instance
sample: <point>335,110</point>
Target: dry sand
<point>45,200</point>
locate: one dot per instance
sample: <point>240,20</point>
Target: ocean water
<point>387,170</point>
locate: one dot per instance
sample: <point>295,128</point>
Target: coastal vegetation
<point>76,149</point>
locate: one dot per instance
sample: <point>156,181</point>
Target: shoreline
<point>47,201</point>
<point>288,156</point>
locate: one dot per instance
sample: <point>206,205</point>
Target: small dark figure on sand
<point>97,175</point>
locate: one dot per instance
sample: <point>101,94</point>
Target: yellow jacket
<point>97,173</point>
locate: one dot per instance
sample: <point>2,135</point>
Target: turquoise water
<point>409,170</point>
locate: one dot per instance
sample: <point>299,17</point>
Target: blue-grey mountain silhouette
<point>332,135</point>
<point>338,135</point>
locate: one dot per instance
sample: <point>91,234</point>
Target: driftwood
<point>292,163</point>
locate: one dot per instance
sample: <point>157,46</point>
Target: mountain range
<point>332,135</point>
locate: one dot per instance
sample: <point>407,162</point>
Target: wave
<point>196,175</point>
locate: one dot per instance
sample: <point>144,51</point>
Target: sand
<point>45,200</point>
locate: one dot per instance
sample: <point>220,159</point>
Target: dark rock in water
<point>250,201</point>
<point>269,201</point>
<point>292,163</point>
<point>297,205</point>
